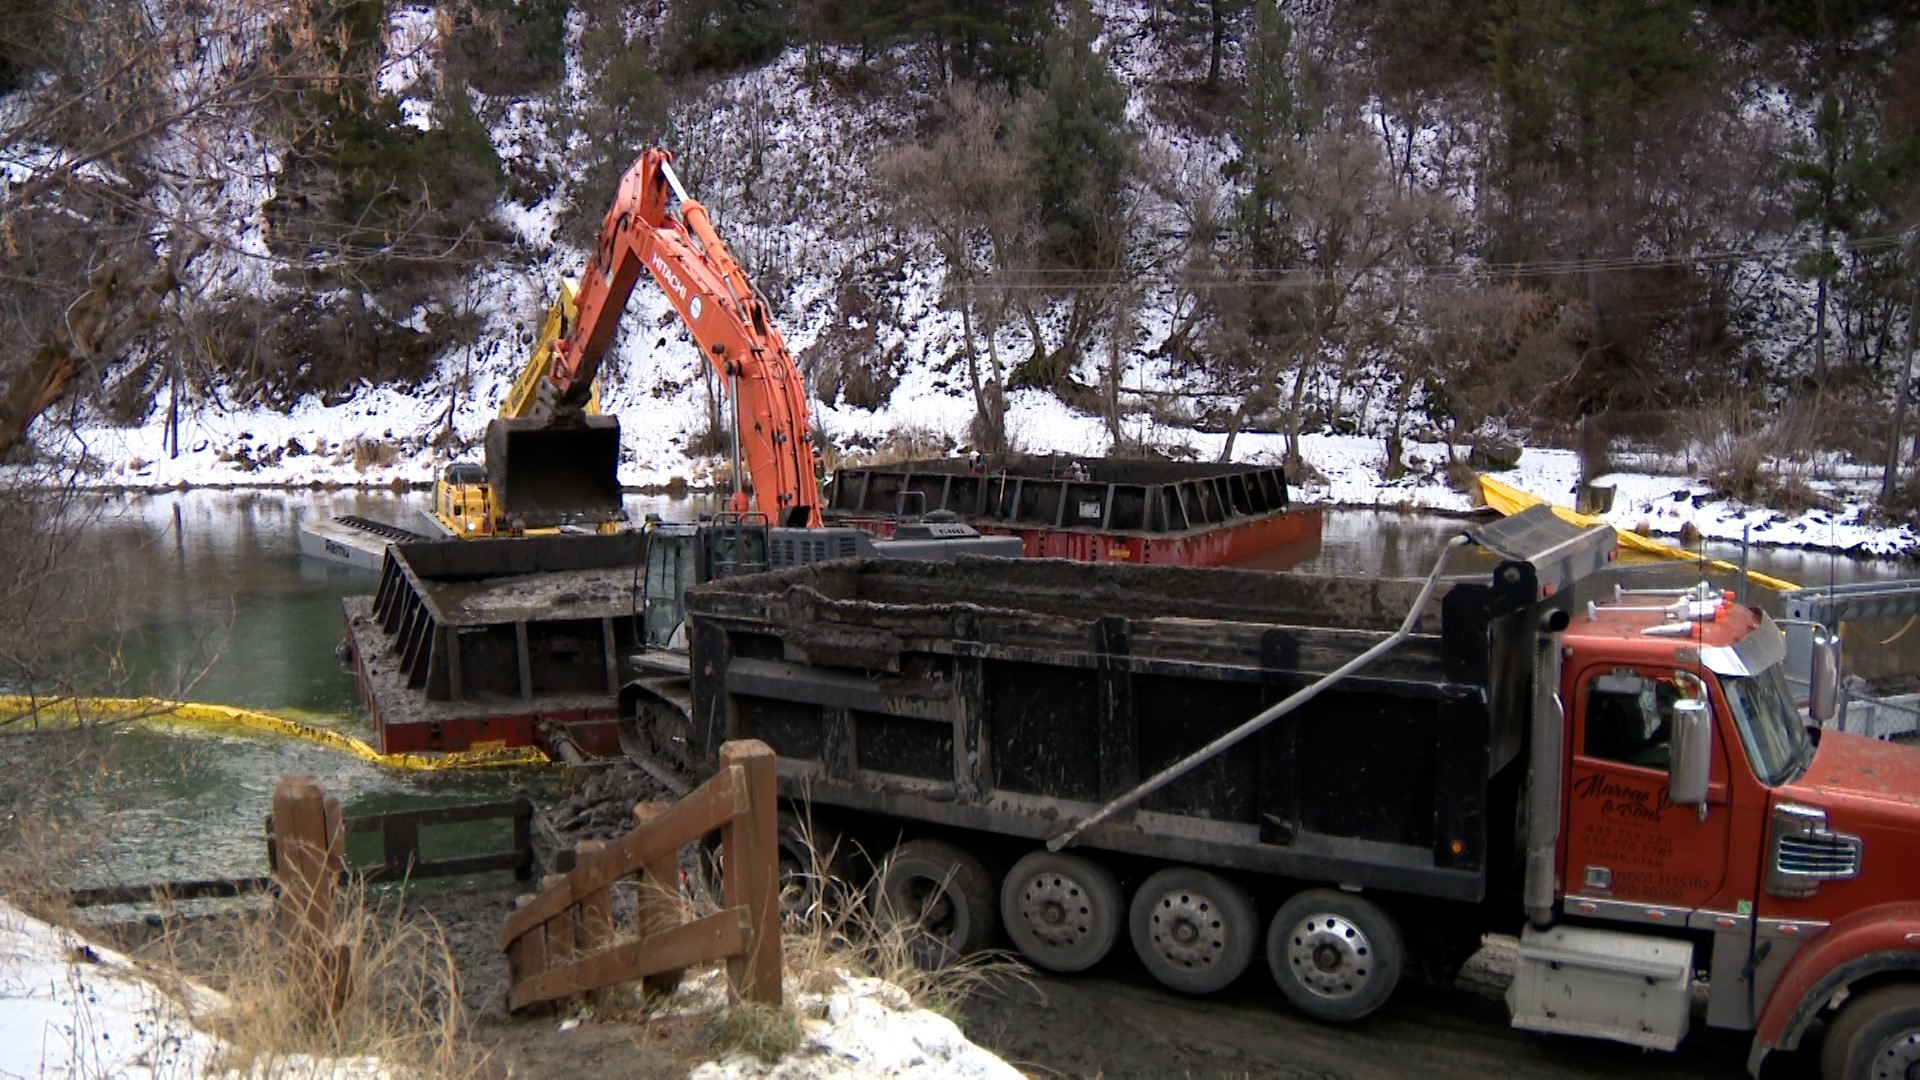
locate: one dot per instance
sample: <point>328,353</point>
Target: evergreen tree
<point>381,182</point>
<point>1576,77</point>
<point>1847,183</point>
<point>509,46</point>
<point>1080,148</point>
<point>623,113</point>
<point>724,34</point>
<point>1267,119</point>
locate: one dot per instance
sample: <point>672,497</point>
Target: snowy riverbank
<point>384,438</point>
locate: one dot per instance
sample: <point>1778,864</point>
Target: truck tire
<point>1194,931</point>
<point>813,862</point>
<point>946,893</point>
<point>1336,956</point>
<point>1062,911</point>
<point>813,868</point>
<point>1878,1034</point>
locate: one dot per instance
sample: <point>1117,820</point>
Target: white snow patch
<point>867,1029</point>
<point>70,1008</point>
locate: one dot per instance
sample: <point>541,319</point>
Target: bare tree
<point>962,186</point>
<point>133,152</point>
<point>1346,224</point>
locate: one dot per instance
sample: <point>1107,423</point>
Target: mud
<point>1079,591</point>
<point>1116,1023</point>
<point>600,804</point>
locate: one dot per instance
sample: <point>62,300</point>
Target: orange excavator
<point>552,456</point>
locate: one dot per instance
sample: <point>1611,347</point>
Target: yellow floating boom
<point>1509,500</point>
<point>20,712</point>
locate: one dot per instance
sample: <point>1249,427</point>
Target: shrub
<point>724,34</point>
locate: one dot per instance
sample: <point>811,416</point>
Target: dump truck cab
<point>1706,825</point>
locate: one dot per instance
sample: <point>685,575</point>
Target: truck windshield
<point>1771,730</point>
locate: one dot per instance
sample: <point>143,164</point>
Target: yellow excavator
<point>464,502</point>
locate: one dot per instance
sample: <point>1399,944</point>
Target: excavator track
<point>391,533</point>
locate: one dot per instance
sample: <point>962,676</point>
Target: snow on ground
<point>865,1029</point>
<point>72,1009</point>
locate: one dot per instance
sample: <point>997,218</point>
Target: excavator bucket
<point>547,474</point>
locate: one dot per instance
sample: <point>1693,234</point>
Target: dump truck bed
<point>470,643</point>
<point>1018,697</point>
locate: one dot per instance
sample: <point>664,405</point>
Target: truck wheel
<point>946,892</point>
<point>813,867</point>
<point>1194,930</point>
<point>813,863</point>
<point>1062,911</point>
<point>1877,1035</point>
<point>1336,956</point>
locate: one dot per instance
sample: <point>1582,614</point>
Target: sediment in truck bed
<point>1067,589</point>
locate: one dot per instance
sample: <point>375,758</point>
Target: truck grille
<point>1805,853</point>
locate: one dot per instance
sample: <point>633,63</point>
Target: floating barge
<point>354,541</point>
<point>1095,509</point>
<point>471,644</point>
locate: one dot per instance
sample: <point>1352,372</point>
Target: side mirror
<point>1824,686</point>
<point>1692,757</point>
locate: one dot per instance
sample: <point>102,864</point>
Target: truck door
<point>1630,852</point>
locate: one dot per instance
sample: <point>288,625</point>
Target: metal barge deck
<point>481,643</point>
<point>1095,509</point>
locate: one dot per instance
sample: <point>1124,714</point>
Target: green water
<point>218,606</point>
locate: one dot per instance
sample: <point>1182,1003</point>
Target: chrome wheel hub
<point>1330,956</point>
<point>1898,1058</point>
<point>1057,910</point>
<point>1188,929</point>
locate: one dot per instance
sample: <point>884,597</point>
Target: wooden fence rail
<point>400,856</point>
<point>563,941</point>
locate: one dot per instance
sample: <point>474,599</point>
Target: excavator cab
<point>463,501</point>
<point>681,555</point>
<point>555,474</point>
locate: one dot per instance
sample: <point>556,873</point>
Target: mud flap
<point>552,474</point>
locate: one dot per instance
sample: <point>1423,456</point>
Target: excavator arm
<point>524,396</point>
<point>728,320</point>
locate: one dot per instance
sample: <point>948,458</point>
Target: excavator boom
<point>774,470</point>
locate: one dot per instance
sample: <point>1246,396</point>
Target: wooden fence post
<point>659,885</point>
<point>559,928</point>
<point>310,848</point>
<point>751,877</point>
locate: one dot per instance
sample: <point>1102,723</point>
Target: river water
<point>220,607</point>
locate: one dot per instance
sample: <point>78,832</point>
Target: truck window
<point>1630,720</point>
<point>670,570</point>
<point>1771,729</point>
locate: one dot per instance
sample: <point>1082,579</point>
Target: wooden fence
<point>563,941</point>
<point>400,856</point>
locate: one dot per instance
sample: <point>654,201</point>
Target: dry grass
<point>831,930</point>
<point>399,1003</point>
<point>370,453</point>
<point>1760,460</point>
<point>905,443</point>
<point>837,928</point>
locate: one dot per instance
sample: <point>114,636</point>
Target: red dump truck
<point>1350,778</point>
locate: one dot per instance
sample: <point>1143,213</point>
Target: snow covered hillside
<point>788,163</point>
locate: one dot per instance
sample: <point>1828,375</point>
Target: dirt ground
<point>1116,1023</point>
